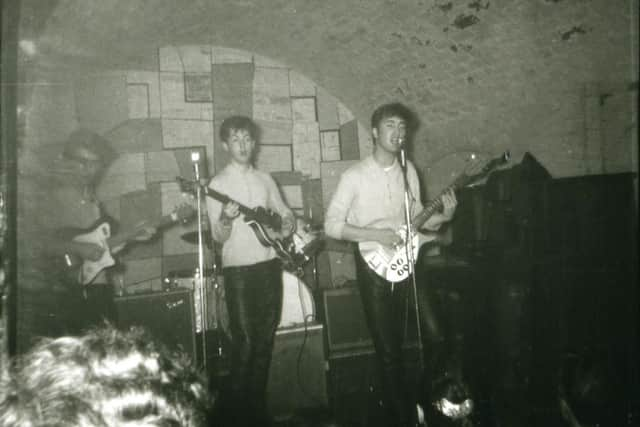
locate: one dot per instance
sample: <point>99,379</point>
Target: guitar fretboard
<point>462,180</point>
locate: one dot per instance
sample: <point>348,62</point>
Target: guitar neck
<point>461,181</point>
<point>127,236</point>
<point>260,215</point>
<point>430,208</point>
<point>223,198</point>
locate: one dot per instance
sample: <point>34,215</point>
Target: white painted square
<point>330,145</point>
<point>173,102</point>
<point>161,166</point>
<point>274,158</point>
<point>344,114</point>
<point>304,109</point>
<point>187,133</point>
<point>292,195</point>
<point>152,80</point>
<point>271,99</point>
<point>306,148</point>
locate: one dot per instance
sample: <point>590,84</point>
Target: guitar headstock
<point>185,185</point>
<point>184,212</point>
<point>477,169</point>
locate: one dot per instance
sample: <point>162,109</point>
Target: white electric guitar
<point>392,263</point>
<point>101,235</point>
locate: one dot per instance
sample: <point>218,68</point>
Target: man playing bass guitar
<point>368,206</point>
<point>252,272</point>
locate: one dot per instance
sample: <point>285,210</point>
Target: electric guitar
<point>391,263</point>
<point>100,235</point>
<point>293,250</point>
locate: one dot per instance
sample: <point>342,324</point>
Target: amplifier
<point>297,377</point>
<point>347,331</point>
<point>168,316</point>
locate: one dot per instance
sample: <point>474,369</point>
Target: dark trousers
<point>385,307</point>
<point>254,302</point>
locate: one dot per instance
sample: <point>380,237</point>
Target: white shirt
<point>369,195</point>
<point>251,188</point>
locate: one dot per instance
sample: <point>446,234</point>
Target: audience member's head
<point>451,403</point>
<point>103,378</point>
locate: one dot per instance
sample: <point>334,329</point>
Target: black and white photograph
<point>319,213</point>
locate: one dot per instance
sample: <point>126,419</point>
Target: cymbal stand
<point>200,275</point>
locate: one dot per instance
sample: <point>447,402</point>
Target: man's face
<point>390,133</point>
<point>240,146</point>
<point>86,164</point>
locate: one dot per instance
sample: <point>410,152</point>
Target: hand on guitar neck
<point>92,250</point>
<point>231,210</point>
<point>388,256</point>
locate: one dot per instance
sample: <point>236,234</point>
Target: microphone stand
<point>409,248</point>
<point>200,276</point>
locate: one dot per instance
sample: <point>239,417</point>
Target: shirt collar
<point>240,170</point>
<point>375,165</point>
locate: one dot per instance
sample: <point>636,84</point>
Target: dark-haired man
<point>57,201</point>
<point>252,273</point>
<point>368,206</point>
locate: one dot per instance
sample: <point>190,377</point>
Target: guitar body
<point>90,269</point>
<point>268,237</point>
<point>392,264</point>
<point>266,224</point>
<point>100,235</point>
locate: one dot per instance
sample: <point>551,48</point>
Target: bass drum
<point>297,304</point>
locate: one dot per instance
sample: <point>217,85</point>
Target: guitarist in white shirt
<point>368,206</point>
<point>252,272</point>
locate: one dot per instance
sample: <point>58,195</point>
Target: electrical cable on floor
<point>299,361</point>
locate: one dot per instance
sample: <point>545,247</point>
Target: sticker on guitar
<point>392,263</point>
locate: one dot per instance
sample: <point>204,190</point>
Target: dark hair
<point>90,141</point>
<point>238,123</point>
<point>105,377</point>
<point>394,109</point>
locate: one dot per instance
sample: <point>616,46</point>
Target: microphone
<point>403,160</point>
<point>195,159</point>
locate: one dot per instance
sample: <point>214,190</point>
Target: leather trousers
<point>385,309</point>
<point>254,302</point>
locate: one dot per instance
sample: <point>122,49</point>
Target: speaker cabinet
<point>297,377</point>
<point>168,316</point>
<point>347,331</point>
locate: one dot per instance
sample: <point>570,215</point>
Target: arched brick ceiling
<point>481,62</point>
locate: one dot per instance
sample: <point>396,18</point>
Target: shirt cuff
<point>334,229</point>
